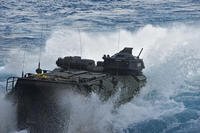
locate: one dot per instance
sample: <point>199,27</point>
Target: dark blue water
<point>169,31</point>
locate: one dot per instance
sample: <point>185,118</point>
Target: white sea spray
<point>171,56</point>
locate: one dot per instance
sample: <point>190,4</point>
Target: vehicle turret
<point>123,63</point>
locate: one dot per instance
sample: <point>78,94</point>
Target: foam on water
<point>7,115</point>
<point>172,59</point>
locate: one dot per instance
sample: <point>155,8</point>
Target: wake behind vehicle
<point>37,96</point>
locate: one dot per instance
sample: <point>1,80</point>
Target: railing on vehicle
<point>10,83</point>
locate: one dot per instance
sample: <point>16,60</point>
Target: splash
<point>87,114</point>
<point>7,115</point>
<point>171,55</point>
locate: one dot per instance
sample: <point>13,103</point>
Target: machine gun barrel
<point>140,53</point>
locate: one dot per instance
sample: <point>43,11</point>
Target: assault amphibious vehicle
<point>36,96</point>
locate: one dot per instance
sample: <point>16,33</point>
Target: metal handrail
<point>12,81</point>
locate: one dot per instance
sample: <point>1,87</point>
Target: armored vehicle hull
<point>38,97</point>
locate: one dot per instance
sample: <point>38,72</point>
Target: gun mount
<point>123,63</point>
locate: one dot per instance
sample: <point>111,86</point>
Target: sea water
<point>169,32</point>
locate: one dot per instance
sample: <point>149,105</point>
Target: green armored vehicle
<point>37,95</point>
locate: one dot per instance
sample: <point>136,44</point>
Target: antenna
<point>118,43</point>
<point>39,70</point>
<point>23,62</point>
<point>40,52</point>
<point>80,42</point>
<point>140,53</point>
